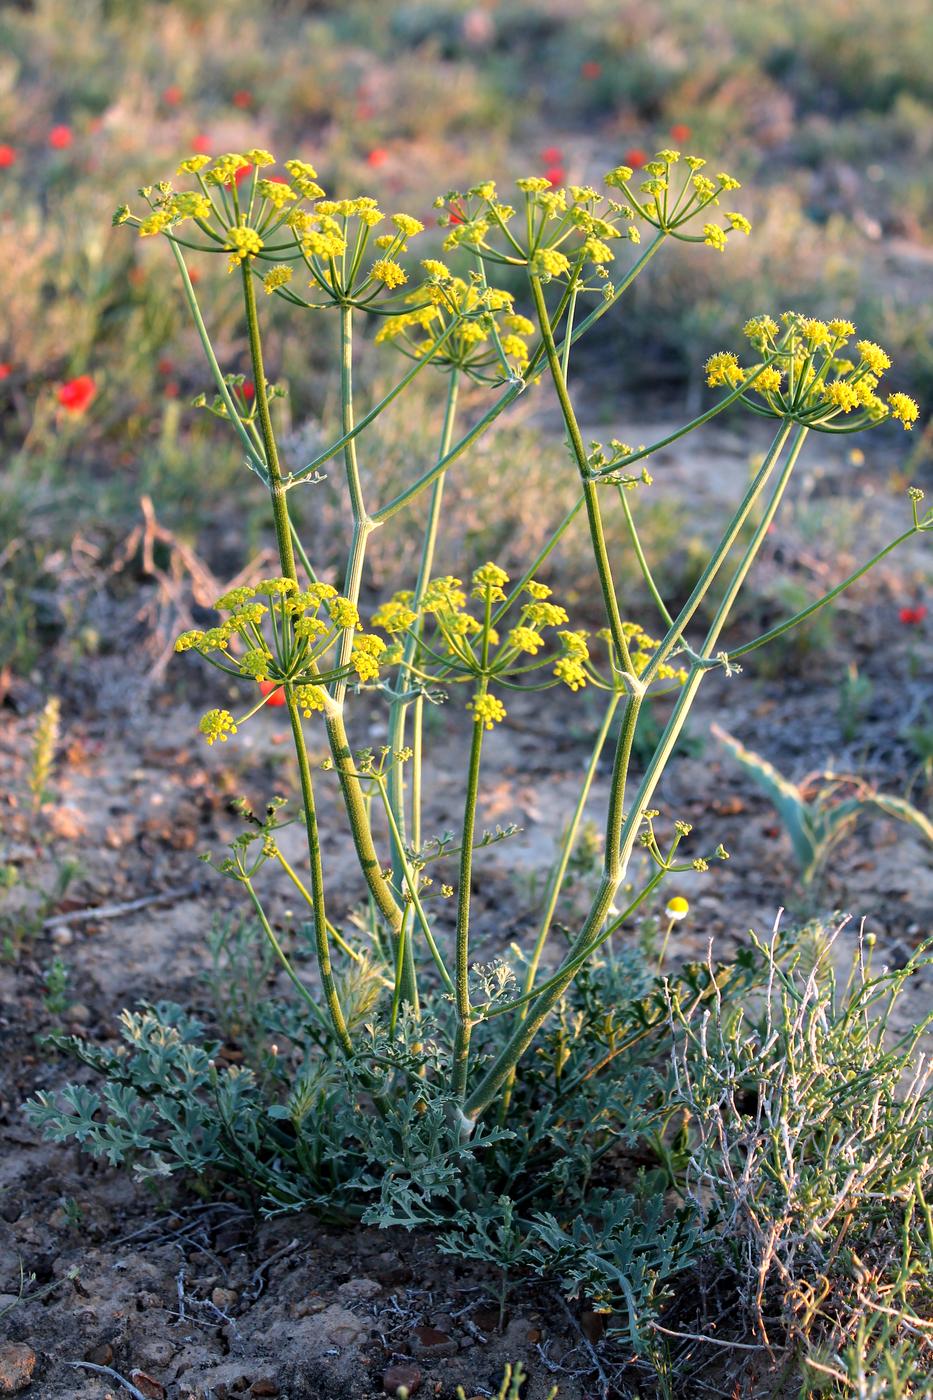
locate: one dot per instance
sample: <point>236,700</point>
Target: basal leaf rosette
<point>808,374</point>
<point>257,218</point>
<point>462,325</point>
<point>295,638</point>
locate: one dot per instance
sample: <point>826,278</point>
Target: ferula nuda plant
<point>486,637</point>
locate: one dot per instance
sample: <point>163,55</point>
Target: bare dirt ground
<point>193,1299</point>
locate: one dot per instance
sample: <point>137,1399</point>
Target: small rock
<point>224,1298</point>
<point>265,1385</point>
<point>66,822</point>
<point>592,1324</point>
<point>148,1385</point>
<point>427,1341</point>
<point>17,1363</point>
<point>402,1374</point>
<point>100,1356</point>
<point>359,1288</point>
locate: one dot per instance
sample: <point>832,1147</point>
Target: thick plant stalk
<point>287,560</point>
<point>464,1012</point>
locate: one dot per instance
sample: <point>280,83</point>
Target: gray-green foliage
<point>759,1122</point>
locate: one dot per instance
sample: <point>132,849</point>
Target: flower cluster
<point>287,638</point>
<point>568,233</point>
<point>461,638</point>
<point>564,232</point>
<point>460,324</point>
<point>285,220</point>
<point>807,373</point>
<point>669,202</point>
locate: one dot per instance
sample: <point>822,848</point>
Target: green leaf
<point>796,815</point>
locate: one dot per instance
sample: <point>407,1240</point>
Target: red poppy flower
<point>5,370</point>
<point>911,617</point>
<point>171,389</point>
<point>202,145</point>
<point>555,174</point>
<point>680,132</point>
<point>165,366</point>
<point>241,173</point>
<point>455,217</point>
<point>7,157</point>
<point>591,69</point>
<point>635,157</point>
<point>76,394</point>
<point>552,155</point>
<point>377,156</point>
<point>275,693</point>
<point>195,275</point>
<point>242,98</point>
<point>172,95</point>
<point>61,137</point>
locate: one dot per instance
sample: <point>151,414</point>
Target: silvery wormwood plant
<point>298,640</point>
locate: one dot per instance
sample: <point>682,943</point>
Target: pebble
<point>224,1298</point>
<point>17,1363</point>
<point>428,1341</point>
<point>400,1375</point>
<point>359,1288</point>
<point>100,1356</point>
<point>264,1385</point>
<point>148,1385</point>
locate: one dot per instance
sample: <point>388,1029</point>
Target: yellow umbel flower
<point>224,169</point>
<point>242,243</point>
<point>387,271</point>
<point>407,225</point>
<point>548,262</point>
<point>155,223</point>
<point>526,639</point>
<point>364,658</point>
<point>723,368</point>
<point>487,710</point>
<point>873,356</point>
<point>277,277</point>
<point>343,613</point>
<point>842,395</point>
<point>714,237</point>
<point>217,724</point>
<point>769,380</point>
<point>309,698</point>
<point>489,576</point>
<point>905,409</point>
<point>193,164</point>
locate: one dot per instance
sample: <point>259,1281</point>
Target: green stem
<point>590,493</point>
<point>318,914</point>
<point>283,533</point>
<point>460,1068</point>
<point>556,882</point>
<point>399,708</point>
